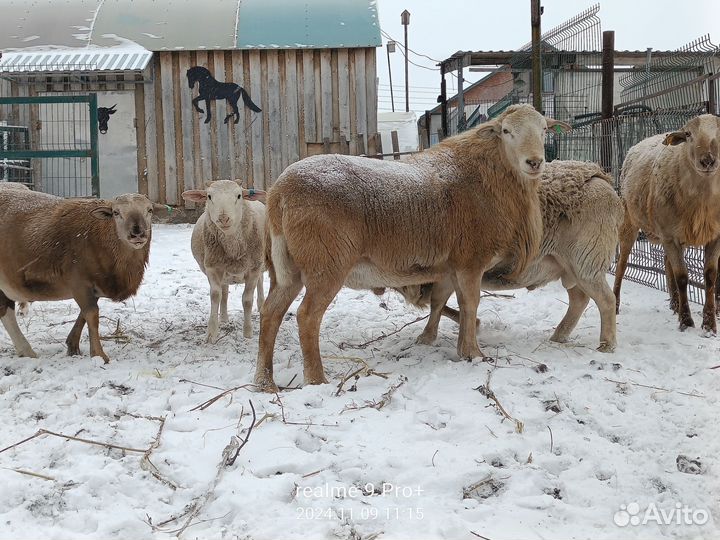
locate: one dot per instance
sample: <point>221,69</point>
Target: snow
<point>334,469</point>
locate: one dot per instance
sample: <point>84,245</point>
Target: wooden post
<point>395,144</point>
<point>428,119</point>
<point>460,100</point>
<point>443,102</point>
<point>608,75</point>
<point>712,96</point>
<point>535,12</point>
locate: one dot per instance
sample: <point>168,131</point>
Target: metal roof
<point>161,25</point>
<point>69,60</point>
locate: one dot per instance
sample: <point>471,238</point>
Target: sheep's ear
<point>491,127</point>
<point>675,138</point>
<point>557,125</point>
<point>253,194</point>
<point>102,212</point>
<point>195,195</point>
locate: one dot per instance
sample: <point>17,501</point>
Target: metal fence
<point>50,143</point>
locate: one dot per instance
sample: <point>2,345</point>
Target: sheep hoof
<point>212,337</point>
<point>425,339</point>
<point>709,329</point>
<point>267,386</point>
<point>247,333</point>
<point>686,323</point>
<point>606,347</point>
<point>29,353</point>
<point>224,319</point>
<point>559,338</point>
<point>470,352</point>
<point>73,350</point>
<point>316,379</point>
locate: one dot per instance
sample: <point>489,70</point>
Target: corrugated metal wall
<point>312,101</point>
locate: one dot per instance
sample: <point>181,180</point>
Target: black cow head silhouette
<point>104,116</point>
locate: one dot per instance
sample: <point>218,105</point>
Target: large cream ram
<point>56,249</point>
<point>581,216</point>
<point>457,209</point>
<point>670,185</point>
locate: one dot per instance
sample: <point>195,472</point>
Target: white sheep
<point>581,216</point>
<point>670,185</point>
<point>457,207</point>
<point>228,245</point>
<point>55,249</point>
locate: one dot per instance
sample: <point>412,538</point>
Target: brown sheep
<point>456,208</point>
<point>581,216</point>
<point>670,185</point>
<point>56,249</point>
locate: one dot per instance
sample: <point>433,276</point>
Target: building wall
<point>312,101</point>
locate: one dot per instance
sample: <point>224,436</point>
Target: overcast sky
<point>440,28</point>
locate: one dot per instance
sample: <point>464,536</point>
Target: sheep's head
<point>700,139</point>
<point>132,214</point>
<point>223,202</point>
<point>521,130</point>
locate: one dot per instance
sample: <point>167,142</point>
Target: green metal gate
<point>50,143</point>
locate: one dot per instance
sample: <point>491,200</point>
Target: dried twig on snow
<point>378,403</point>
<point>691,394</point>
<point>344,345</point>
<point>488,393</point>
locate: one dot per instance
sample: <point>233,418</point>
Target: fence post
<point>712,96</point>
<point>443,102</point>
<point>95,157</point>
<point>608,74</point>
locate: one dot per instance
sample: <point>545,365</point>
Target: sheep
<point>56,249</point>
<point>457,207</point>
<point>670,186</point>
<point>581,216</point>
<point>228,245</point>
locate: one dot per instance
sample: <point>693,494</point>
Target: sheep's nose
<point>707,161</point>
<point>534,163</point>
<point>137,232</point>
<point>224,220</point>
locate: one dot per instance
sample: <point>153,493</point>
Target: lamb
<point>456,208</point>
<point>56,249</point>
<point>581,216</point>
<point>670,186</point>
<point>228,245</point>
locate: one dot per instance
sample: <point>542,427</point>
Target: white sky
<point>440,28</point>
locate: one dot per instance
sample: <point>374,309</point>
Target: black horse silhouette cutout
<point>211,89</point>
<point>104,116</point>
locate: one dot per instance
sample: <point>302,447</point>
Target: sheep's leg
<point>674,253</point>
<point>89,310</point>
<point>672,286</point>
<point>467,287</point>
<point>577,302</point>
<point>7,316</point>
<point>73,339</point>
<point>247,301</point>
<point>712,250</point>
<point>441,291</point>
<point>318,296</point>
<point>223,304</point>
<point>717,293</point>
<point>278,301</point>
<point>628,234</point>
<point>603,297</point>
<point>215,280</point>
<point>260,292</point>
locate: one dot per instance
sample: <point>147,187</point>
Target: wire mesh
<point>28,129</point>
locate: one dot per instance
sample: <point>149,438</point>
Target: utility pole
<point>405,20</point>
<point>391,49</point>
<point>535,13</point>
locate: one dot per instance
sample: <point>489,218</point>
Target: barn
<point>307,71</point>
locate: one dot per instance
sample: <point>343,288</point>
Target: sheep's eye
<point>209,198</point>
<point>688,134</point>
<point>150,210</point>
<point>116,213</point>
<point>240,196</point>
<point>506,131</point>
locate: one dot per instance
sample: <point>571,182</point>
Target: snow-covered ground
<point>414,449</point>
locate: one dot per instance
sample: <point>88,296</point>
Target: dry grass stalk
<point>690,394</point>
<point>486,391</point>
<point>344,345</point>
<point>378,404</point>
